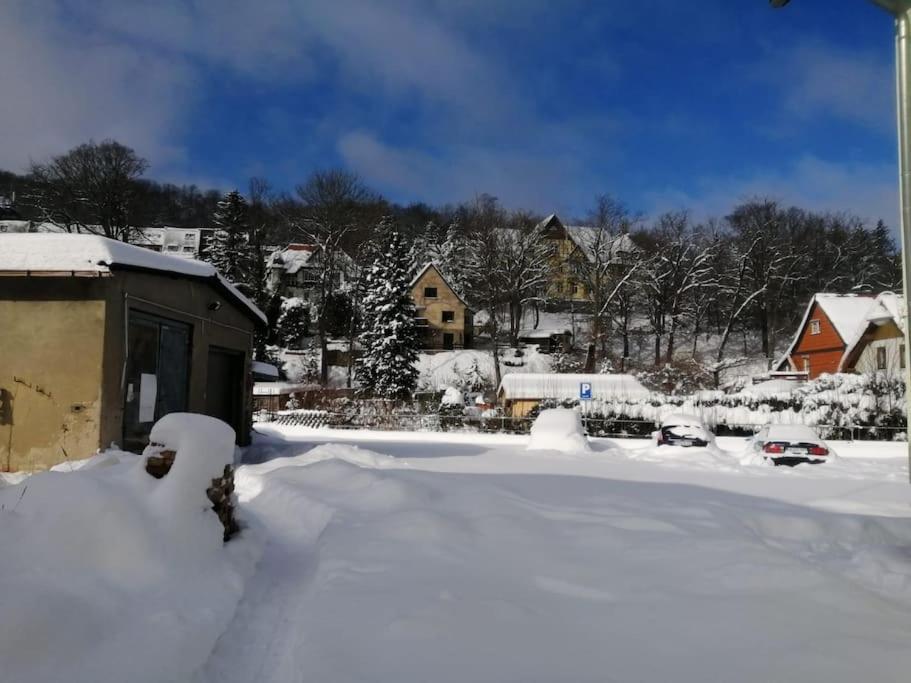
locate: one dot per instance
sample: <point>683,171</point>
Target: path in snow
<point>382,569</point>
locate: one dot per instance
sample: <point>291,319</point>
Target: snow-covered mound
<point>558,429</point>
<point>111,575</point>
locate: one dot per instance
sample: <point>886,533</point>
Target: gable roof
<point>887,307</point>
<point>583,237</point>
<point>846,312</point>
<point>69,254</point>
<point>428,266</point>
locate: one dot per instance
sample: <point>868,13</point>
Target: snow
<point>558,429</point>
<point>111,575</point>
<point>414,557</point>
<point>772,387</point>
<point>459,557</point>
<point>265,369</point>
<point>53,253</point>
<point>452,397</point>
<point>567,386</point>
<point>278,388</point>
<point>450,368</point>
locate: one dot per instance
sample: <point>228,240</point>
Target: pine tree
<point>230,249</point>
<point>387,368</point>
<point>293,322</point>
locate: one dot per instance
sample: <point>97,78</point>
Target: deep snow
<point>417,557</point>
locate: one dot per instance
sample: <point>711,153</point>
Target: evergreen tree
<point>387,368</point>
<point>293,322</point>
<point>230,249</point>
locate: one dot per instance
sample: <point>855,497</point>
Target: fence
<point>594,426</point>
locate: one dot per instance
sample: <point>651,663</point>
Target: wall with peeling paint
<point>50,392</point>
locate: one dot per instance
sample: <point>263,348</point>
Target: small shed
<point>521,392</point>
<point>99,339</point>
<point>548,340</point>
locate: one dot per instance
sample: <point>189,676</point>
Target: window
<point>814,327</point>
<point>173,247</point>
<point>189,250</point>
<point>880,357</point>
<point>575,289</point>
<point>448,316</point>
<point>430,292</point>
<point>901,356</point>
<point>806,364</point>
<point>189,237</point>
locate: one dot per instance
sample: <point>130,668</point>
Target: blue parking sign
<point>585,391</point>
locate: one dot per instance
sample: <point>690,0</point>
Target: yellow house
<point>573,242</point>
<point>99,339</point>
<point>444,318</point>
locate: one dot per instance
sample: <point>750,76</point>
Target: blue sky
<point>663,103</point>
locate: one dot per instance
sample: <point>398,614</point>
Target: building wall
<point>563,285</point>
<point>889,338</point>
<point>63,353</point>
<point>823,351</point>
<point>50,380</point>
<point>521,407</point>
<point>432,310</point>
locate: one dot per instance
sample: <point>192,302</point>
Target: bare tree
<point>526,262</point>
<point>332,204</point>
<point>91,189</point>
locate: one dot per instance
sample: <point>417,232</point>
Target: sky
<point>664,104</point>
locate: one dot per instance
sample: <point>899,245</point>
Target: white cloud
<point>58,91</point>
<point>820,80</point>
<point>867,190</point>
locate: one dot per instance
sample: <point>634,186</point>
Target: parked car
<point>791,445</point>
<point>683,430</point>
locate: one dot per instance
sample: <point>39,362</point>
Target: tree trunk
<point>657,349</point>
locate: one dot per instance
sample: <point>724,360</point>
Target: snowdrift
<point>558,429</point>
<point>111,575</point>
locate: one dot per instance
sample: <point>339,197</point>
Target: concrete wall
<point>62,356</point>
<point>50,378</point>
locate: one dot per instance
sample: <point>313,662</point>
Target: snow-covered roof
<point>264,369</point>
<point>847,312</point>
<point>68,254</point>
<point>543,333</point>
<point>887,307</point>
<point>584,237</point>
<point>293,257</point>
<point>521,385</point>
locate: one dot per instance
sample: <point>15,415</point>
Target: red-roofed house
<point>829,325</point>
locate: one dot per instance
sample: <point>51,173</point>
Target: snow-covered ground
<point>461,557</point>
<point>464,557</point>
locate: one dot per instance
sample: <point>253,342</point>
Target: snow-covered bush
<point>293,322</point>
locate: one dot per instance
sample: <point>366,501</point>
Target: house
<point>445,321</point>
<point>296,270</point>
<point>100,339</point>
<point>182,242</point>
<point>879,342</point>
<point>830,323</point>
<point>521,392</point>
<point>571,242</point>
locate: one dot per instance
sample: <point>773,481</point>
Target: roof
<point>264,369</point>
<point>428,266</point>
<point>584,237</point>
<point>527,385</point>
<point>293,257</point>
<point>846,312</point>
<point>887,307</point>
<point>67,254</point>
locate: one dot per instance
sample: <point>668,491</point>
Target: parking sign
<point>585,391</point>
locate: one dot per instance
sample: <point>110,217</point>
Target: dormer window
<point>814,327</point>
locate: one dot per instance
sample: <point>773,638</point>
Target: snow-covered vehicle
<point>791,445</point>
<point>683,430</point>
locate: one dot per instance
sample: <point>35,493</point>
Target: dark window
<point>430,292</point>
<point>901,356</point>
<point>880,357</point>
<point>448,316</point>
<point>158,363</point>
